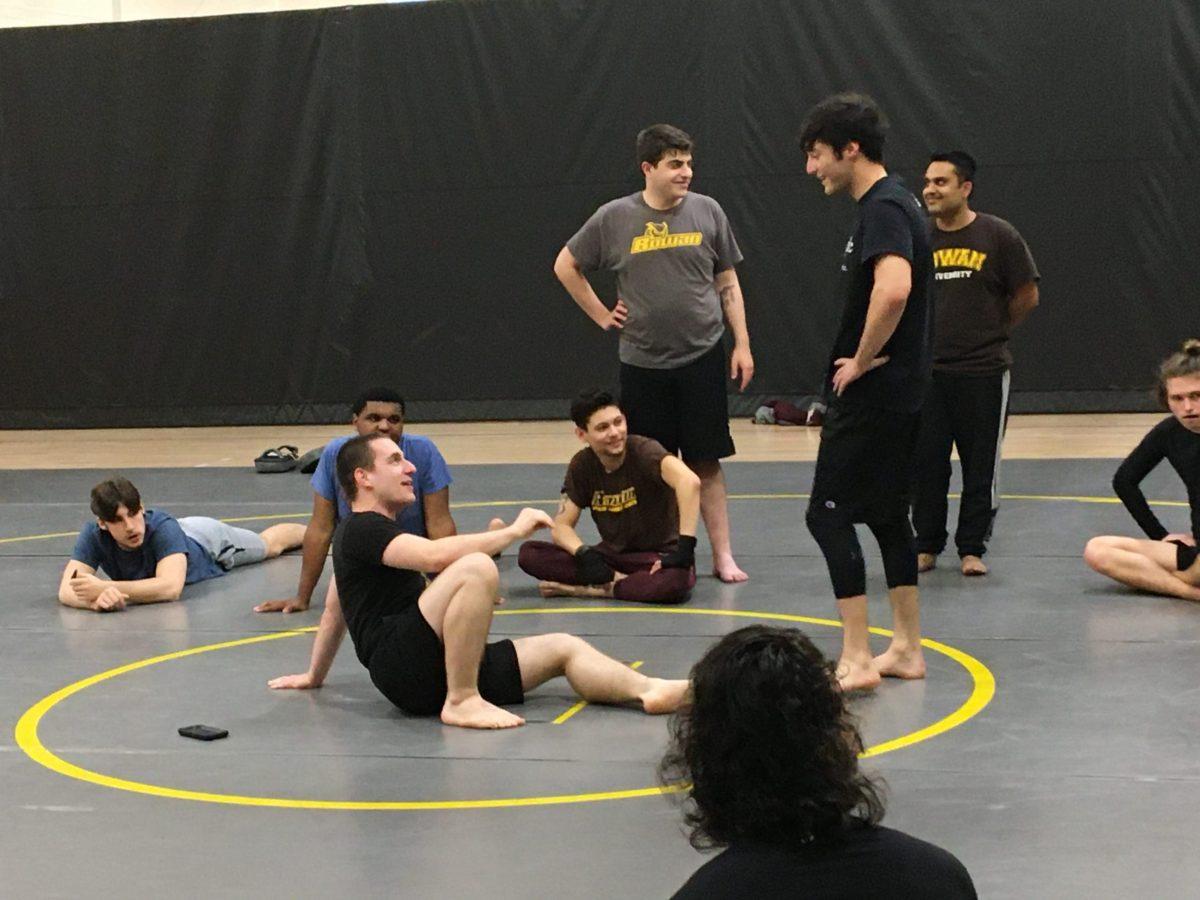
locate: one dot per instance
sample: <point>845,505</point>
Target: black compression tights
<point>834,533</point>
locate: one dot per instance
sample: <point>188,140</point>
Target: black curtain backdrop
<point>245,219</point>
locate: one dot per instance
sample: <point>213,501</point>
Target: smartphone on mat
<point>203,732</point>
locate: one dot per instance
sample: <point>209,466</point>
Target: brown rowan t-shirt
<point>976,270</point>
<point>633,508</point>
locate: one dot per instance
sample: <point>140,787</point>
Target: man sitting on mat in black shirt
<point>1167,563</point>
<point>767,753</point>
<point>426,646</point>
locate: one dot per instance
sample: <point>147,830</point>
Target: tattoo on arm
<point>727,296</point>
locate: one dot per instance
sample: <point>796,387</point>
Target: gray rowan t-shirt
<point>665,262</point>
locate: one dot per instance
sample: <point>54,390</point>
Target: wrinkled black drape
<point>245,219</point>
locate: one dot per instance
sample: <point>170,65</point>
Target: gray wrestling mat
<point>1079,778</point>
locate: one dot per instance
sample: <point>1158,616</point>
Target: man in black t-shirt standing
<point>878,371</point>
<point>985,283</point>
<point>426,646</point>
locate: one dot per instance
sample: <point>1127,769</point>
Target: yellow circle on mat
<point>27,727</point>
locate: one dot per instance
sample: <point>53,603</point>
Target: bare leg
<point>595,677</point>
<point>973,565</point>
<point>926,562</point>
<point>282,538</point>
<point>714,509</point>
<point>855,670</point>
<point>458,606</point>
<point>904,657</point>
<point>1147,565</point>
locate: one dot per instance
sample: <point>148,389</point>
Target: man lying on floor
<point>644,502</point>
<point>150,556</point>
<point>426,646</point>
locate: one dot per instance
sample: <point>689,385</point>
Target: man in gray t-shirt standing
<point>674,254</point>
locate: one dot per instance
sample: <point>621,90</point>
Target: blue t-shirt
<point>96,548</point>
<point>432,475</point>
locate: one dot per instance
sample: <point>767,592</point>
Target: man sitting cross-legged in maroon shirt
<point>644,502</point>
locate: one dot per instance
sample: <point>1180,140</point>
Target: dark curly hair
<point>768,746</point>
<point>843,118</point>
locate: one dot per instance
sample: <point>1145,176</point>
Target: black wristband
<point>590,566</point>
<point>683,556</point>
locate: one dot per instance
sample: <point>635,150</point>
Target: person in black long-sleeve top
<point>1166,563</point>
<point>769,754</point>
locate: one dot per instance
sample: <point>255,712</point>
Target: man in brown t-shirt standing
<point>985,282</point>
<point>645,503</point>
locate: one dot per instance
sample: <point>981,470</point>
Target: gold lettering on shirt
<point>658,237</point>
<point>959,258</point>
<point>614,503</point>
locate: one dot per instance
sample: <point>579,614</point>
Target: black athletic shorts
<point>408,666</point>
<point>684,409</point>
<point>1185,556</point>
<point>865,461</point>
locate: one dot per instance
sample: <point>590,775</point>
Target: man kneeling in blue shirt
<point>150,556</point>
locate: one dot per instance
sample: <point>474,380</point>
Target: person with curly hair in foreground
<point>771,755</point>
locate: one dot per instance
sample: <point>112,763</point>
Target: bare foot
<point>856,676</point>
<point>727,570</point>
<point>475,712</point>
<point>663,695</point>
<point>584,591</point>
<point>894,663</point>
<point>973,565</point>
<point>926,561</point>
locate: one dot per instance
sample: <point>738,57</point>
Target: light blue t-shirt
<point>432,475</point>
<point>96,548</point>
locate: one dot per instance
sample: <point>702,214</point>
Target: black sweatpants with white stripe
<point>969,412</point>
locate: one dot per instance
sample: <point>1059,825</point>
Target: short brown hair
<point>655,141</point>
<point>113,493</point>
<point>356,454</point>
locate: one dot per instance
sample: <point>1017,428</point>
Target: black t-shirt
<point>1167,440</point>
<point>890,221</point>
<point>869,862</point>
<point>976,270</point>
<point>369,591</point>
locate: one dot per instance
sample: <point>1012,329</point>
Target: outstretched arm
<point>566,268</point>
<point>438,521</point>
<point>408,551</point>
<point>325,647</point>
<point>317,537</point>
<point>741,363</point>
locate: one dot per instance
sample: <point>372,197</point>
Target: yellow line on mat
<point>27,738</point>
